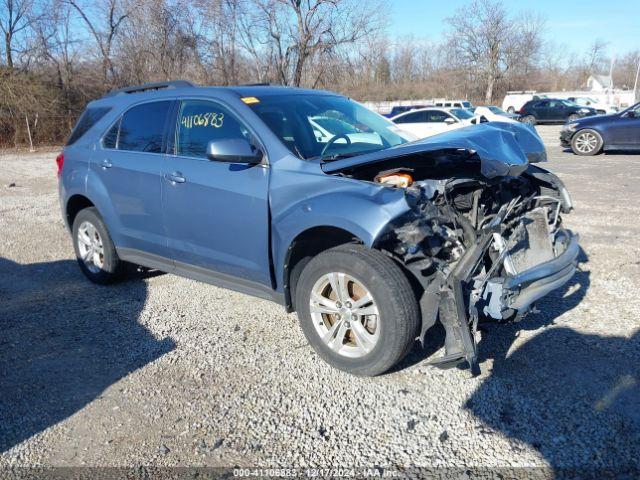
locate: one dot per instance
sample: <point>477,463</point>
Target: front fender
<point>361,208</point>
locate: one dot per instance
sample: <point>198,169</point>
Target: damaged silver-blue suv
<point>311,200</point>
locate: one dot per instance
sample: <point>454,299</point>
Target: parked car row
<point>425,122</point>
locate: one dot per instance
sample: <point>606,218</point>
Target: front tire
<point>511,110</point>
<point>95,252</point>
<point>357,309</point>
<point>586,142</point>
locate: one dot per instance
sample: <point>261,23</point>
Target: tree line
<point>56,55</point>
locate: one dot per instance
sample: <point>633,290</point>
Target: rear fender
<point>100,198</point>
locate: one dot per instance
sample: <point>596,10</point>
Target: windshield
<point>467,105</point>
<point>326,126</point>
<point>497,110</point>
<point>461,113</point>
<point>567,103</point>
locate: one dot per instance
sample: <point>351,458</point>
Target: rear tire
<point>95,252</point>
<point>573,118</point>
<point>586,142</point>
<point>529,119</point>
<point>349,332</point>
<point>511,110</point>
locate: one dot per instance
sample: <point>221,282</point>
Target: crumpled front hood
<point>505,149</point>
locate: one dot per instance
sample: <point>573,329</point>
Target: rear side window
<point>87,120</point>
<point>141,128</point>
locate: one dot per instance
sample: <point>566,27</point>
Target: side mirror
<point>449,121</point>
<point>233,150</point>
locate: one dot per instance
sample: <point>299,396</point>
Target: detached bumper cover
<point>522,290</point>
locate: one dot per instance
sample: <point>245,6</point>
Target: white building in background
<point>598,83</point>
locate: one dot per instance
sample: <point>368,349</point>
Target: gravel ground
<point>161,370</point>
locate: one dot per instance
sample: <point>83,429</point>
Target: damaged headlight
<point>570,126</point>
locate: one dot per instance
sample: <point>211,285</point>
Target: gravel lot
<point>162,370</point>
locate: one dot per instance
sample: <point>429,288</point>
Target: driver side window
<point>200,122</point>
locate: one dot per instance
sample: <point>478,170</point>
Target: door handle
<point>106,164</point>
<point>175,177</point>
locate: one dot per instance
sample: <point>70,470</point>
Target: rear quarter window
<point>87,120</point>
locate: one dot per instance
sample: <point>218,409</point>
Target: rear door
<point>130,167</point>
<point>557,111</point>
<point>216,213</point>
<point>541,110</point>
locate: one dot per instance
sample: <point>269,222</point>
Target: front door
<point>627,129</point>
<point>129,164</point>
<point>216,213</point>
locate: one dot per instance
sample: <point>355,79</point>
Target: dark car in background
<point>589,136</point>
<point>552,110</point>
<point>398,109</point>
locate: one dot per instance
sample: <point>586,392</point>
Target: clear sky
<point>573,23</point>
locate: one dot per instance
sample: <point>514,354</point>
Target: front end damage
<point>480,247</point>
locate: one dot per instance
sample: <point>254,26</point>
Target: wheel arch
<point>304,247</point>
<point>74,205</point>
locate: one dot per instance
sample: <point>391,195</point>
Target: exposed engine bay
<point>481,248</point>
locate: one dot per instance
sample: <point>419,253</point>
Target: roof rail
<point>260,84</point>
<point>151,86</point>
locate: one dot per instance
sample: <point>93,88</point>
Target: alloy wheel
<point>345,315</point>
<point>90,247</point>
<point>586,142</point>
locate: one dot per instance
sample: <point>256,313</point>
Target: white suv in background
<point>514,101</point>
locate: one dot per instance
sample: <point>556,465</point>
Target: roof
<point>181,87</point>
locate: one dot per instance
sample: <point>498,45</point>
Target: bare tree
<point>103,19</point>
<point>596,56</point>
<point>15,17</point>
<point>487,41</point>
<point>296,31</point>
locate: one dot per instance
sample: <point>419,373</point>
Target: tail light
<point>60,163</point>
<point>521,111</point>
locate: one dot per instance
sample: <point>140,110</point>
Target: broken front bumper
<point>517,292</point>
<point>526,280</point>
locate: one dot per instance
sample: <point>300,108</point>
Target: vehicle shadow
<point>63,341</point>
<point>574,397</point>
